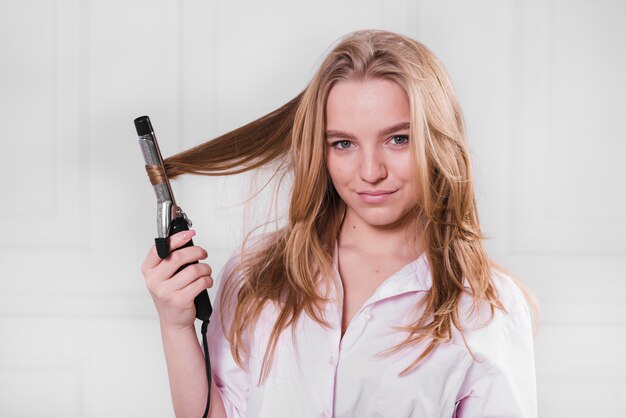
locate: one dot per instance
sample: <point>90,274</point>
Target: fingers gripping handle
<point>201,302</point>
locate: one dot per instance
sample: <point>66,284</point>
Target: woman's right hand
<point>173,294</point>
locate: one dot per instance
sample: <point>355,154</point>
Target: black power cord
<point>207,361</point>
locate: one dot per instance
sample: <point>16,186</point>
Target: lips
<point>376,192</point>
<point>375,196</point>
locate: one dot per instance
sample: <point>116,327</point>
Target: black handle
<point>202,302</point>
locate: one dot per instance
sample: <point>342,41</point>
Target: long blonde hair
<point>287,270</point>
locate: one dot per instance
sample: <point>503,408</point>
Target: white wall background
<point>541,84</point>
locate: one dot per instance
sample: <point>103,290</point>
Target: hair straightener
<point>170,220</point>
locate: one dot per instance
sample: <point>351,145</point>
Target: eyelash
<point>336,143</point>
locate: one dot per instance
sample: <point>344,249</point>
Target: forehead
<point>369,102</point>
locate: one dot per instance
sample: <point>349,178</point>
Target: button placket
<point>334,346</point>
<point>356,328</point>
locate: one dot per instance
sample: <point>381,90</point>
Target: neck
<point>385,241</point>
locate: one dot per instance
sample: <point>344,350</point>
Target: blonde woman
<point>377,298</point>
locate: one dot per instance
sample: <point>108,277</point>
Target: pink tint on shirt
<point>324,375</point>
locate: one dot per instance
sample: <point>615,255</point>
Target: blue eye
<point>345,144</point>
<point>400,139</point>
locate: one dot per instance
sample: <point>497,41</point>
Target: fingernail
<point>189,234</point>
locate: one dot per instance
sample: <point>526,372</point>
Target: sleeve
<point>503,382</point>
<point>232,381</point>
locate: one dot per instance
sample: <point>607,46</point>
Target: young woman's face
<point>368,153</point>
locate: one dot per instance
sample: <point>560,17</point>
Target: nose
<point>373,167</point>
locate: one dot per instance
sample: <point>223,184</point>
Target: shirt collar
<point>416,276</point>
<point>412,277</point>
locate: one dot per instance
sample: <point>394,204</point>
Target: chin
<point>390,216</point>
<point>381,220</point>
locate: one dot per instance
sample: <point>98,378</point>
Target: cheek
<point>335,170</point>
<point>403,168</point>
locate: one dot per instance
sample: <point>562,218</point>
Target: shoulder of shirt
<point>484,335</point>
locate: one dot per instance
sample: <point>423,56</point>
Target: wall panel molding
<point>540,223</point>
<point>44,386</point>
<point>52,205</point>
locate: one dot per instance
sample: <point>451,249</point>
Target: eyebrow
<point>394,128</point>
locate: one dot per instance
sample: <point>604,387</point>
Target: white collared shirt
<point>324,375</point>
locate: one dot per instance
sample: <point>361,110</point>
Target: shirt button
<point>367,314</point>
<point>331,360</point>
<point>324,414</point>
